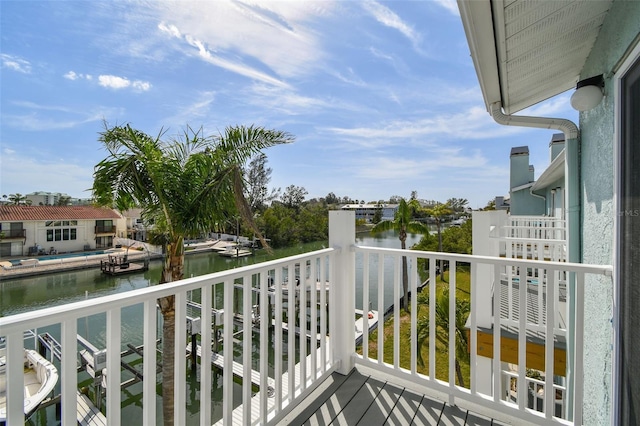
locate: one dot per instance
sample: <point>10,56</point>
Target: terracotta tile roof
<point>26,213</point>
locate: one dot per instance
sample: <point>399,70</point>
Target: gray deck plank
<point>360,403</point>
<point>405,409</point>
<point>452,416</point>
<point>474,419</point>
<point>359,399</point>
<point>315,408</point>
<point>333,400</point>
<point>382,406</point>
<point>428,412</point>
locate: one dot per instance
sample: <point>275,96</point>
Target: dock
<point>88,414</point>
<point>119,265</point>
<point>256,399</point>
<point>238,369</point>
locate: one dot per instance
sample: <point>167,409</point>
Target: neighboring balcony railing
<point>105,229</point>
<point>13,233</point>
<point>534,316</point>
<point>326,297</point>
<point>535,227</point>
<point>533,237</point>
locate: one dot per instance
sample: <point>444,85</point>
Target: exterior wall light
<point>588,93</point>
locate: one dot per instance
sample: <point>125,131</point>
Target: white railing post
<point>342,231</point>
<point>15,379</point>
<point>485,224</point>
<point>69,385</point>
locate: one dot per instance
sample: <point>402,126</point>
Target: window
<point>61,230</point>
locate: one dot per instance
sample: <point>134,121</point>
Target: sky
<point>382,97</point>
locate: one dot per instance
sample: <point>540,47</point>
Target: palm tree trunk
<point>440,250</point>
<point>173,270</point>
<point>405,285</point>
<point>404,302</point>
<point>459,374</point>
<point>168,357</point>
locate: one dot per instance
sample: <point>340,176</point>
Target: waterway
<point>32,293</point>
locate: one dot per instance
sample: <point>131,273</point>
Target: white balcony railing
<point>333,284</point>
<point>536,227</point>
<point>533,237</point>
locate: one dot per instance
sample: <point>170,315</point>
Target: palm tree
<point>463,308</point>
<point>438,212</point>
<point>402,223</point>
<point>184,187</point>
<point>18,198</point>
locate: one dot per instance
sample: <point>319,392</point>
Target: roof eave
<point>552,173</point>
<point>477,20</point>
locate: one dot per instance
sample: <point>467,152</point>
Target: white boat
<point>40,377</point>
<point>236,250</point>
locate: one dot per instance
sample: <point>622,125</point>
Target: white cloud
<point>474,123</point>
<point>115,82</point>
<point>263,40</point>
<point>449,5</point>
<point>17,175</point>
<point>15,63</point>
<point>170,29</point>
<point>55,117</point>
<point>142,86</point>
<point>422,165</point>
<point>72,75</point>
<point>198,109</point>
<point>388,18</point>
<point>230,65</point>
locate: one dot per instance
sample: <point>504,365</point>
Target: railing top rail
<point>42,317</point>
<point>469,258</point>
<point>536,228</point>
<point>532,240</point>
<point>541,218</point>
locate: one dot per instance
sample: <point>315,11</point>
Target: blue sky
<point>382,97</point>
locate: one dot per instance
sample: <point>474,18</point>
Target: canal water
<point>32,293</point>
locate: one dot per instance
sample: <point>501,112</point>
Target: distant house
<point>368,211</point>
<point>136,228</point>
<point>42,198</point>
<point>32,230</point>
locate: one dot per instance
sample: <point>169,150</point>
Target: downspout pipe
<point>572,197</point>
<point>572,171</point>
<point>542,197</point>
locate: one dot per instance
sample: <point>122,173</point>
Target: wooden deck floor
<point>359,399</point>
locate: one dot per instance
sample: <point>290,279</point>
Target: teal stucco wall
<point>598,211</point>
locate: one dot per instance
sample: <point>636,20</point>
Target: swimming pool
<point>64,256</point>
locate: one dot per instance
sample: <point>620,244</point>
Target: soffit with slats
<point>540,46</point>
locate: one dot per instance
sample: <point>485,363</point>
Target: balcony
<point>319,295</point>
<point>99,230</point>
<point>13,234</point>
<point>527,237</point>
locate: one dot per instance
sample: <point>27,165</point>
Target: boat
<point>236,250</point>
<point>40,378</point>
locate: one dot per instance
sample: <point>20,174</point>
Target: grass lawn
<point>463,285</point>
